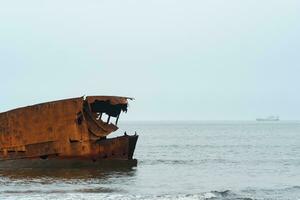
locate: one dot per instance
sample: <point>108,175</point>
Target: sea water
<point>180,160</point>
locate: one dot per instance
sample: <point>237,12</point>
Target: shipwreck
<point>69,129</point>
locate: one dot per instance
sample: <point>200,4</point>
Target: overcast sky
<point>181,60</point>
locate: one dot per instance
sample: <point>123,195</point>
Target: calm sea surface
<point>195,160</point>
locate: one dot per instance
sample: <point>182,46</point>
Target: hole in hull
<point>44,157</point>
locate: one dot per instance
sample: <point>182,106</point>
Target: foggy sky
<point>181,60</point>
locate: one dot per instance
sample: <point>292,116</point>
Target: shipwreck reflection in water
<point>60,183</point>
<point>103,172</point>
<point>57,183</point>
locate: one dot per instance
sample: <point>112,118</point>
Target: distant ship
<point>269,119</point>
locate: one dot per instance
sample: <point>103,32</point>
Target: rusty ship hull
<point>66,130</point>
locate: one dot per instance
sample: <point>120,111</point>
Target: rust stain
<point>69,128</point>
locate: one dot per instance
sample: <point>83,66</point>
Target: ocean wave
<point>59,191</point>
<point>167,161</point>
<point>103,194</point>
<point>187,161</point>
<point>295,187</point>
<point>284,189</point>
<point>224,195</point>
